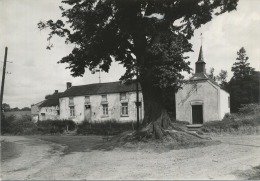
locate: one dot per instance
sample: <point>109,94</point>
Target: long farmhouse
<point>93,102</point>
<point>200,100</point>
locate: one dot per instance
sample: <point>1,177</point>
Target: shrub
<point>110,127</point>
<point>231,126</point>
<point>249,109</point>
<point>25,126</point>
<point>55,126</point>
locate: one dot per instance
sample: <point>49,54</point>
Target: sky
<point>35,72</point>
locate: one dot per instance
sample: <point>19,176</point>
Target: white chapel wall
<point>224,103</point>
<point>201,92</point>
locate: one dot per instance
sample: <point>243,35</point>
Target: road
<point>234,158</point>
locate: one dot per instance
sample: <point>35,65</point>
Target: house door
<point>87,114</point>
<point>197,114</point>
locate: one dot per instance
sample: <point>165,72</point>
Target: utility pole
<point>3,84</point>
<point>137,101</point>
<point>137,105</point>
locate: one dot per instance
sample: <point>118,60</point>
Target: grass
<point>248,124</point>
<point>109,127</point>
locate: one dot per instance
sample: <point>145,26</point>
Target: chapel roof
<point>202,76</point>
<point>200,58</point>
<point>100,88</point>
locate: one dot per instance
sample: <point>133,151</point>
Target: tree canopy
<point>244,85</point>
<point>146,35</point>
<point>241,68</point>
<point>149,37</point>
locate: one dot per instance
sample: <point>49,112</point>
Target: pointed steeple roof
<point>201,58</point>
<point>200,64</point>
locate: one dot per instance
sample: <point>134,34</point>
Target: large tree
<point>241,68</point>
<point>149,37</point>
<point>244,85</point>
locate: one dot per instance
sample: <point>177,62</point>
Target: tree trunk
<point>156,118</point>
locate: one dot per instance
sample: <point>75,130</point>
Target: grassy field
<point>18,114</point>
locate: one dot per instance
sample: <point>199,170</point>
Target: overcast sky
<point>35,72</point>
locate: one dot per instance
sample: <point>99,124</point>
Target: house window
<point>123,96</point>
<point>124,109</point>
<point>58,112</point>
<point>43,116</point>
<point>105,109</point>
<point>87,100</point>
<point>71,101</point>
<point>228,102</point>
<point>104,98</point>
<point>72,111</point>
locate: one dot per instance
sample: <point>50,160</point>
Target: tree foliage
<point>149,37</point>
<point>222,78</point>
<point>211,74</point>
<point>241,68</point>
<point>129,32</point>
<point>244,85</point>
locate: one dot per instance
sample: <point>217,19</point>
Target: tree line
<point>6,108</point>
<point>244,84</point>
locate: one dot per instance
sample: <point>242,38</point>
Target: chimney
<point>56,91</point>
<point>69,85</point>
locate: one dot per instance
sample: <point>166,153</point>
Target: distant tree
<point>211,74</point>
<point>244,85</point>
<point>6,107</point>
<point>26,109</point>
<point>149,37</point>
<point>241,68</point>
<point>15,109</point>
<point>222,79</point>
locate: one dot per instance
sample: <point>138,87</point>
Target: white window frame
<point>105,109</point>
<point>72,111</point>
<point>124,109</point>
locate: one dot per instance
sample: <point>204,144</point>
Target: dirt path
<point>232,159</point>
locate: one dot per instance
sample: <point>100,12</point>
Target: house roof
<point>99,88</point>
<point>53,100</point>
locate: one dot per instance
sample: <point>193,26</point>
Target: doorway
<point>87,113</point>
<point>197,114</point>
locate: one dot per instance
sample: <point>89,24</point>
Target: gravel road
<point>234,158</point>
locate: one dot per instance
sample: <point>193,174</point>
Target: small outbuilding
<point>201,99</point>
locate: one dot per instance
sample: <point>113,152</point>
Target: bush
<point>55,126</point>
<point>249,109</point>
<point>231,126</point>
<point>25,126</point>
<point>110,127</point>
